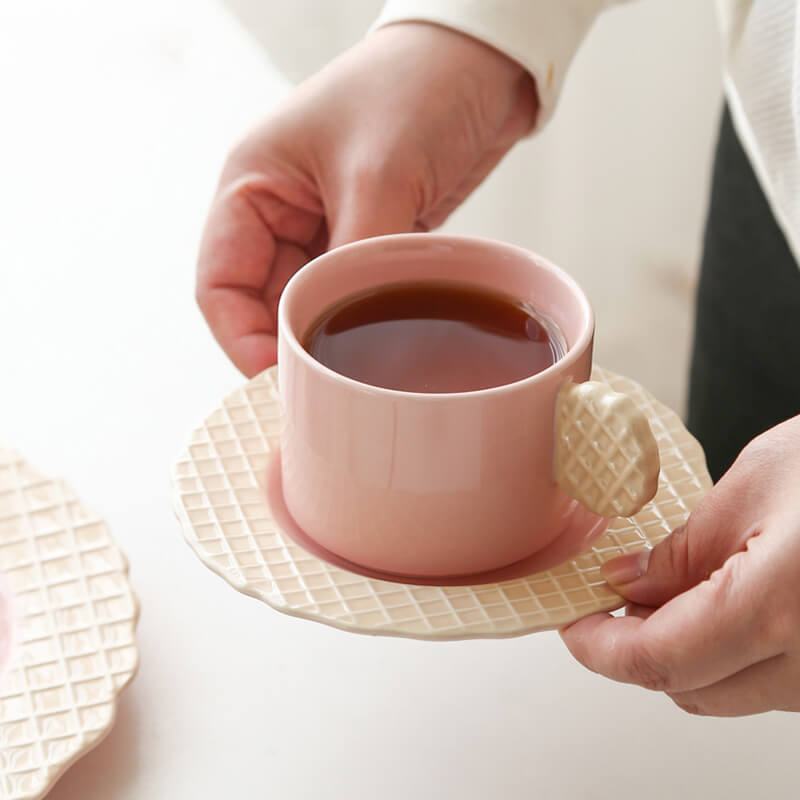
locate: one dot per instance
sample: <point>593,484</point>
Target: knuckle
<point>646,670</point>
<point>730,582</point>
<point>731,585</point>
<point>689,706</point>
<point>242,186</point>
<point>723,582</point>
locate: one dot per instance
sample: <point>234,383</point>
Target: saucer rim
<point>690,454</point>
<point>52,772</point>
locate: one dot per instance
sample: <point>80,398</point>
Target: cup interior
<point>383,260</point>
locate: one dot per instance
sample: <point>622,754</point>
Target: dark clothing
<point>745,372</point>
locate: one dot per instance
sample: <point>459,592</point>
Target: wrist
<point>454,59</point>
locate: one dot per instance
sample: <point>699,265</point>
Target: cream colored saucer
<point>76,615</point>
<point>228,523</point>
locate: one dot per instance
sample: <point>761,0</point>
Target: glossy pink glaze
<point>581,530</point>
<point>416,484</point>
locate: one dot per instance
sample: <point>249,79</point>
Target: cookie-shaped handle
<point>606,456</point>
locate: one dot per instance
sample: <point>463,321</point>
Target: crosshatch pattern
<point>605,456</point>
<point>227,522</point>
<point>76,616</point>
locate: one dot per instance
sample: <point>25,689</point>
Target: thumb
<point>685,558</point>
<point>374,210</point>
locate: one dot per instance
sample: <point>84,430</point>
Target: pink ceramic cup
<point>426,484</point>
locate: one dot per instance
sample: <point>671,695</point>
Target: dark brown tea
<point>434,338</point>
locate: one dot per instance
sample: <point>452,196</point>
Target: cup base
<point>581,529</point>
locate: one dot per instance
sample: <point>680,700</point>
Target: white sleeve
<point>542,35</point>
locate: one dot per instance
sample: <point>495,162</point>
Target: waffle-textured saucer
<point>74,647</point>
<point>226,520</point>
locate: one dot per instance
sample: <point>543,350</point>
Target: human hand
<point>714,619</point>
<point>391,137</point>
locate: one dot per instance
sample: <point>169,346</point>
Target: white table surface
<point>116,118</point>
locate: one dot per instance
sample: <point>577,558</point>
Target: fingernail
<point>626,569</point>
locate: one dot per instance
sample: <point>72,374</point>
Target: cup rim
<point>574,351</point>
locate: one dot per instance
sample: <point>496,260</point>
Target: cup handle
<point>606,456</point>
